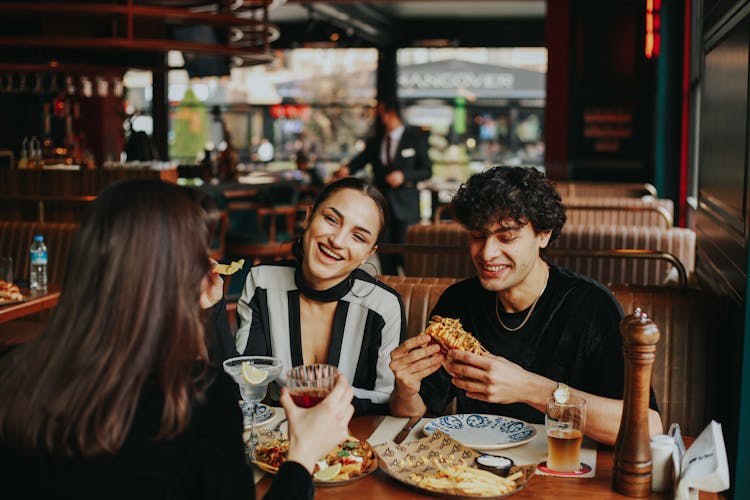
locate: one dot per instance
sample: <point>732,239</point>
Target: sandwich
<point>450,334</point>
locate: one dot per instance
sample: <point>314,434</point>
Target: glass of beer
<point>564,423</point>
<point>309,384</point>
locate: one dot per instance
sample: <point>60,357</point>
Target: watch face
<point>561,394</point>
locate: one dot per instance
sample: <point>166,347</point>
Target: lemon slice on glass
<point>328,473</point>
<point>253,375</point>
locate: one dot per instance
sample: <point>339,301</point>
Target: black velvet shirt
<point>206,461</point>
<point>572,336</point>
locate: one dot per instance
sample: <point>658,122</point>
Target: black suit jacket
<point>411,158</point>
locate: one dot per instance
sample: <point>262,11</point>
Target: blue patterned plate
<point>483,432</point>
<point>265,413</point>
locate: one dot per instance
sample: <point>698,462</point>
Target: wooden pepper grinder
<point>632,468</point>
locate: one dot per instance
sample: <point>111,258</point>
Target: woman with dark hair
<point>117,398</point>
<point>321,307</point>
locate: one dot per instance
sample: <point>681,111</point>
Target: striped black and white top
<point>368,324</point>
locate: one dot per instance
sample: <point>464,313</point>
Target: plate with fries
<point>483,432</point>
<point>442,466</point>
<point>350,461</point>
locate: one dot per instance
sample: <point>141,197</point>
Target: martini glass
<point>253,374</point>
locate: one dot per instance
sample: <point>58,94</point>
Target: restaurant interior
<point>637,110</point>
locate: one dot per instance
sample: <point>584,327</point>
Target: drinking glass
<point>564,424</point>
<point>248,372</point>
<point>308,385</point>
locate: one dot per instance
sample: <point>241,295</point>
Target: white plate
<point>264,414</point>
<point>483,432</point>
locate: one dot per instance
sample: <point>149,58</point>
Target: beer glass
<point>564,424</point>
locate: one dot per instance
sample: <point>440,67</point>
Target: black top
<point>206,461</point>
<point>572,337</point>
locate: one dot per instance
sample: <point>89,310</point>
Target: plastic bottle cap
<point>38,238</point>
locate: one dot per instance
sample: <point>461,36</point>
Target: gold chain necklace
<point>528,314</point>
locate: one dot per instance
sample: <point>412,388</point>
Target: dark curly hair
<point>523,194</point>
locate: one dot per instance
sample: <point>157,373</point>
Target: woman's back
<point>205,461</point>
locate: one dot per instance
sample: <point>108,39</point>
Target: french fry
<point>465,480</point>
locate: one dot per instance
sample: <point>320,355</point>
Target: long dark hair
<point>128,312</point>
<point>355,184</point>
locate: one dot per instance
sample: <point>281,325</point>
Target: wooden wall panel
<point>721,221</point>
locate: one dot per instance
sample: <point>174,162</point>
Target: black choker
<point>330,295</point>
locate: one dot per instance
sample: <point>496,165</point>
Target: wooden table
<point>31,305</point>
<point>380,486</point>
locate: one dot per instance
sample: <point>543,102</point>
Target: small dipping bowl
<point>496,464</point>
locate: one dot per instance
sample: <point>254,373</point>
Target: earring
<point>373,274</point>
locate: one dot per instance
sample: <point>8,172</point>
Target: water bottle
<point>38,277</point>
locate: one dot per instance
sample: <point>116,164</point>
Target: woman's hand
<point>488,378</point>
<point>212,288</point>
<point>315,431</point>
<point>412,361</point>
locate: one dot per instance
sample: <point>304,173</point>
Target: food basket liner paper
<point>417,457</point>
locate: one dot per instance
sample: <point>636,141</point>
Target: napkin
<point>704,465</point>
<point>390,426</point>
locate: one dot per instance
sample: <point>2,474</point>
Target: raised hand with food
<point>212,288</point>
<point>411,362</point>
<point>489,378</point>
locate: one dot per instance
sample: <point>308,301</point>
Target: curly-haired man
<point>546,327</point>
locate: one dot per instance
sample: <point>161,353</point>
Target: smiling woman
<point>321,307</point>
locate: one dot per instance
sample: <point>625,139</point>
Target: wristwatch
<point>561,393</point>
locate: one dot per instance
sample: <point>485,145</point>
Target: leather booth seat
<point>687,372</point>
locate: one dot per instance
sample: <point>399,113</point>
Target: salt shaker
<point>661,459</point>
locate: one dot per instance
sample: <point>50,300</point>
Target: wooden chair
<point>16,236</point>
<point>609,254</point>
<point>611,211</point>
<point>218,244</point>
<point>581,189</point>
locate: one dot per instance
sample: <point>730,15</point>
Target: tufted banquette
<point>686,372</point>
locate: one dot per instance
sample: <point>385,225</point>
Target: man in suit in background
<point>398,156</point>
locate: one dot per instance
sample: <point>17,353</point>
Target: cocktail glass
<point>253,374</point>
<point>309,384</point>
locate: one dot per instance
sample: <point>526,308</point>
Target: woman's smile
<point>329,253</point>
<point>340,235</point>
